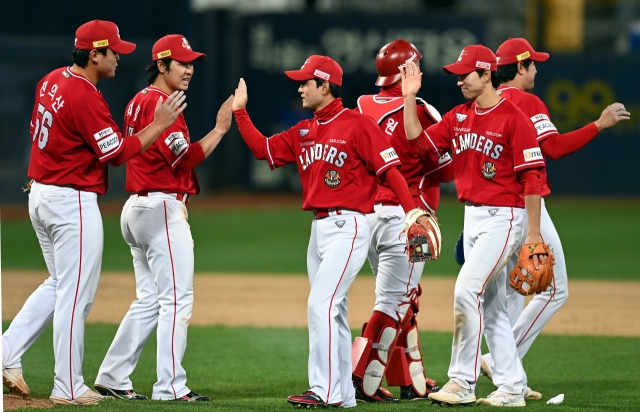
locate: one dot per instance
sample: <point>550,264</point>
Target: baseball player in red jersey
<point>496,164</point>
<point>390,337</point>
<point>154,224</point>
<point>73,138</point>
<point>516,72</point>
<point>340,154</point>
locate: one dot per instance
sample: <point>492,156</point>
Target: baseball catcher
<point>530,275</point>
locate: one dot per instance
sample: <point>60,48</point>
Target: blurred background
<point>594,47</point>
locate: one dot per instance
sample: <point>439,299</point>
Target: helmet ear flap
<point>391,58</point>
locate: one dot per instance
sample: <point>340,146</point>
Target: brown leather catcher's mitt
<point>525,278</point>
<point>424,240</point>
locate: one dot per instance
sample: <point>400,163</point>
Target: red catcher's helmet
<point>391,58</point>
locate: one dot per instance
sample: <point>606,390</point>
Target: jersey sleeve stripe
<point>271,162</point>
<point>387,166</point>
<point>527,165</point>
<point>180,157</point>
<point>432,144</point>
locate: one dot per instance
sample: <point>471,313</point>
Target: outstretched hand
<point>612,115</point>
<point>168,111</point>
<point>240,97</point>
<point>411,79</point>
<point>223,119</point>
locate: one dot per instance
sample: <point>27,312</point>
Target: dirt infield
<point>593,308</point>
<point>17,402</point>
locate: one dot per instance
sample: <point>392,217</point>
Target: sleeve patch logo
<point>176,142</point>
<point>109,143</point>
<point>389,155</point>
<point>533,154</point>
<point>102,133</point>
<point>544,127</point>
<point>539,117</point>
<point>444,158</point>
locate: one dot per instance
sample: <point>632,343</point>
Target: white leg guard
<point>414,356</point>
<point>375,369</point>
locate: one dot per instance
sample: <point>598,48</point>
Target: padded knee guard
<point>370,353</point>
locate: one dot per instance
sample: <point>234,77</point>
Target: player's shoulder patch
<point>66,74</point>
<point>176,142</point>
<point>144,91</point>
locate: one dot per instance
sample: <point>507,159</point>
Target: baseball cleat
<point>381,395</point>
<point>498,398</point>
<point>13,380</point>
<point>125,394</point>
<point>530,394</point>
<point>407,393</point>
<point>453,394</point>
<point>87,398</point>
<point>309,400</point>
<point>193,397</point>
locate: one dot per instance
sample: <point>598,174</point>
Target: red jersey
<point>537,112</point>
<point>488,147</point>
<point>338,158</point>
<point>418,169</point>
<point>73,133</point>
<point>155,170</point>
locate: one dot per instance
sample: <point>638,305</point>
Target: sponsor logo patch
<point>444,158</point>
<point>489,170</point>
<point>389,155</point>
<point>109,143</point>
<point>340,223</point>
<point>66,74</point>
<point>101,43</point>
<point>544,127</point>
<point>332,178</point>
<point>539,117</point>
<point>533,154</point>
<point>176,142</point>
<point>145,91</point>
<point>523,56</point>
<point>164,54</point>
<point>303,132</point>
<point>102,133</point>
<point>461,117</point>
<point>321,75</point>
<point>483,65</point>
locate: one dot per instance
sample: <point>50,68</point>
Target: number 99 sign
<point>571,107</point>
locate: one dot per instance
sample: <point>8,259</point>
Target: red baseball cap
<point>321,67</point>
<point>518,49</point>
<point>100,34</point>
<point>473,58</point>
<point>177,47</point>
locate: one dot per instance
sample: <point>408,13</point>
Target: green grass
<point>257,368</point>
<point>598,236</point>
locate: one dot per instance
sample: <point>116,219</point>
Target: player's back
<point>72,133</point>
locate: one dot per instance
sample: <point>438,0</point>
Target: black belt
<point>470,203</point>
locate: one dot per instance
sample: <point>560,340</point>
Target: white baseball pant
<point>156,229</point>
<point>69,228</point>
<point>337,250</point>
<point>491,235</point>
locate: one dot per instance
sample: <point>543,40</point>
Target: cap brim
<point>539,57</point>
<point>298,75</point>
<point>124,47</point>
<point>188,56</point>
<point>457,68</point>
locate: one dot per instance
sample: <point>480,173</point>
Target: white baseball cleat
<point>453,394</point>
<point>498,398</point>
<point>531,394</point>
<point>87,398</point>
<point>13,380</point>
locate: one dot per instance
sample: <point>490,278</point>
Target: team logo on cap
<point>118,31</point>
<point>523,56</point>
<point>164,54</point>
<point>303,132</point>
<point>101,43</point>
<point>185,44</point>
<point>305,63</point>
<point>461,117</point>
<point>332,178</point>
<point>462,53</point>
<point>488,170</point>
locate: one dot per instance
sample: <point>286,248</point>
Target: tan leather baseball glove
<point>525,278</point>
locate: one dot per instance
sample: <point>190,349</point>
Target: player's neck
<point>488,98</point>
<point>513,83</point>
<point>91,75</point>
<point>162,85</point>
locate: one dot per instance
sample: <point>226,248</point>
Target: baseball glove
<point>525,278</point>
<point>424,240</point>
